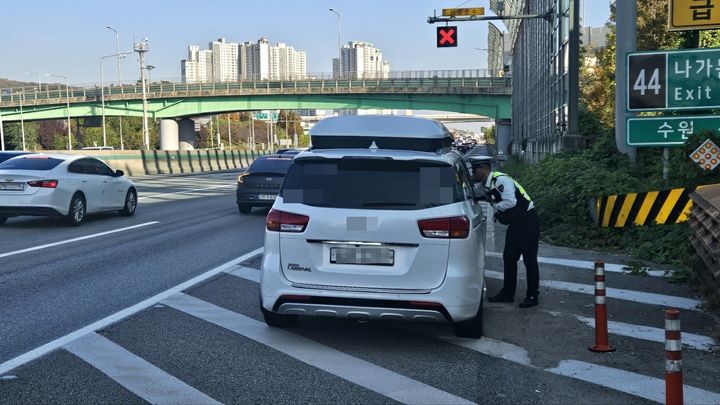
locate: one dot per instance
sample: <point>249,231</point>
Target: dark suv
<point>259,185</point>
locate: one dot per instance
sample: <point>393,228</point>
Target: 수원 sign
<point>687,15</point>
<point>673,80</point>
<point>667,131</point>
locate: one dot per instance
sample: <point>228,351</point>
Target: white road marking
<point>491,347</point>
<point>584,264</point>
<point>62,341</point>
<point>692,340</point>
<point>190,190</point>
<point>135,374</point>
<point>246,273</point>
<point>630,383</point>
<point>64,242</point>
<point>353,369</point>
<point>628,295</point>
<point>616,379</point>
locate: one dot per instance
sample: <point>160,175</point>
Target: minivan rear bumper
<point>456,299</point>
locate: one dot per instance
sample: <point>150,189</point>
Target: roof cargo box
<point>381,131</point>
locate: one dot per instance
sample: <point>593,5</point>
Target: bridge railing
<point>439,79</point>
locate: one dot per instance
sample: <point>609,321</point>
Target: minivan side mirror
<point>118,173</point>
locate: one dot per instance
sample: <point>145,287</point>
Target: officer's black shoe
<point>529,301</point>
<point>501,297</point>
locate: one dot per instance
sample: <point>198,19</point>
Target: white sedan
<point>70,186</point>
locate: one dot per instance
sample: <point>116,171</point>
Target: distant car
<point>70,186</point>
<point>260,184</point>
<point>98,148</point>
<point>289,150</point>
<point>8,154</point>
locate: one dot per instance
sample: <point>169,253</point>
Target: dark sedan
<point>260,184</point>
<point>9,154</point>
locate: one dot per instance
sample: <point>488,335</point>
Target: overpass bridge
<point>461,91</point>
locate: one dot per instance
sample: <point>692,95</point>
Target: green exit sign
<point>667,131</point>
<point>673,80</point>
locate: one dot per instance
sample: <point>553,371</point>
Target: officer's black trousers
<point>522,239</point>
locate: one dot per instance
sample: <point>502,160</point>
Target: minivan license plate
<point>12,186</point>
<point>266,197</point>
<point>362,255</point>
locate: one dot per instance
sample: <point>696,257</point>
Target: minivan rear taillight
<point>445,228</point>
<point>43,183</point>
<point>281,221</point>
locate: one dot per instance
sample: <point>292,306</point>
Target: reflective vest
<point>520,209</point>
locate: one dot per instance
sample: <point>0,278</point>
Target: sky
<point>68,37</point>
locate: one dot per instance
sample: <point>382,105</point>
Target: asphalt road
<point>52,291</point>
<point>205,342</point>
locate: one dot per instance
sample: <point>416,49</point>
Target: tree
<point>50,132</point>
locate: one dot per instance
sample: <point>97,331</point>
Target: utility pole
<point>339,46</point>
<point>229,134</point>
<point>626,28</point>
<point>2,130</point>
<point>119,80</point>
<point>141,48</point>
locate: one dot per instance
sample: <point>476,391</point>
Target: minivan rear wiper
<point>387,203</point>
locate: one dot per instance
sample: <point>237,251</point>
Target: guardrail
<point>705,224</point>
<point>57,94</point>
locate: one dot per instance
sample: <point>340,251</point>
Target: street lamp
<point>339,45</point>
<point>67,93</point>
<point>117,50</point>
<point>142,48</point>
<point>102,94</point>
<point>149,69</point>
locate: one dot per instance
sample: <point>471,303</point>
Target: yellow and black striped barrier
<point>638,209</point>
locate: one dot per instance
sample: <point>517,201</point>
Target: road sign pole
<point>626,28</point>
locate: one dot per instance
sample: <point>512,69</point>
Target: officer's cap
<point>480,160</point>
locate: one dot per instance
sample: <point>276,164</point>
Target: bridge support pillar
<point>187,134</point>
<point>169,134</point>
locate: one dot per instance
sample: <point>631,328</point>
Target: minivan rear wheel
<point>244,208</point>
<point>278,320</point>
<point>473,327</point>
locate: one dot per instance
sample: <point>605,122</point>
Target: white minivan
<point>378,220</point>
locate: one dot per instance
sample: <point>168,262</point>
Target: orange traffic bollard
<point>673,359</point>
<point>601,323</point>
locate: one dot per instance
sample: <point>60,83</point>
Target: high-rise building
<point>228,61</point>
<point>198,67</point>
<point>225,60</point>
<point>361,60</point>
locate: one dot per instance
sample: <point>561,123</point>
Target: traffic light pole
<point>435,19</point>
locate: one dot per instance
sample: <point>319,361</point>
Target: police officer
<point>513,207</point>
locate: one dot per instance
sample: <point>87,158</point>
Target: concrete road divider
<point>141,162</point>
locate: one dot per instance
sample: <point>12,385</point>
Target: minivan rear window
<point>30,163</point>
<point>363,183</point>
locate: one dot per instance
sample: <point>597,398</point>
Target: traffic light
<point>446,37</point>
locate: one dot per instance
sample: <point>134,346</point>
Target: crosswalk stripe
<point>584,264</point>
<point>694,341</point>
<point>135,374</point>
<point>353,369</point>
<point>630,383</point>
<point>627,295</point>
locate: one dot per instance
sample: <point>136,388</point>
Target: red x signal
<point>446,37</point>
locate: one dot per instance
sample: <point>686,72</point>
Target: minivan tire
<point>278,320</point>
<point>473,327</point>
